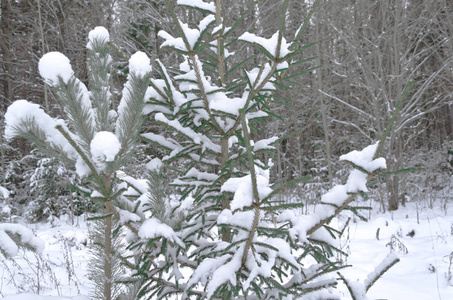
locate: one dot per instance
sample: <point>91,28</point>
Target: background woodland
<point>360,56</point>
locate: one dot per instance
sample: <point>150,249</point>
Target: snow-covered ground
<point>422,238</point>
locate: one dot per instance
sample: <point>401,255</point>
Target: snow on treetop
<point>270,45</point>
<point>99,33</point>
<point>53,65</point>
<point>140,64</point>
<point>198,4</point>
<point>104,147</point>
<point>364,159</point>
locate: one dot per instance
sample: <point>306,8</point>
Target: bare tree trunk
<point>320,86</point>
<point>43,49</point>
<point>108,244</point>
<point>5,42</point>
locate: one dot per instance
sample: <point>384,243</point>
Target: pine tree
<point>93,139</point>
<point>228,243</point>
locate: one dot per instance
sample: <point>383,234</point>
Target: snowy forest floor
<point>422,237</point>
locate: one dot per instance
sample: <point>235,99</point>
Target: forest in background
<point>359,57</point>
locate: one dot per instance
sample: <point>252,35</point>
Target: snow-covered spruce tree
<point>227,247</point>
<point>92,138</point>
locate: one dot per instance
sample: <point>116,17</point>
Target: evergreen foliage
<point>93,139</point>
<point>236,241</point>
<point>226,236</point>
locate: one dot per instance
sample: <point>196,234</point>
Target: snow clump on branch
<point>99,33</point>
<point>54,65</point>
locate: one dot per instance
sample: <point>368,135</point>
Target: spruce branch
<point>375,156</point>
<point>256,203</point>
<point>282,27</point>
<point>389,261</point>
<point>302,28</point>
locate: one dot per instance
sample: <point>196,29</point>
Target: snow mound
<point>98,33</point>
<point>53,65</point>
<point>139,64</point>
<point>104,147</point>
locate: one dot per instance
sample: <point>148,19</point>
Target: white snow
<point>104,147</point>
<point>198,4</point>
<point>257,76</point>
<point>191,35</point>
<point>82,168</point>
<point>226,272</point>
<point>53,65</point>
<point>411,278</point>
<point>22,111</point>
<point>26,236</point>
<point>170,41</point>
<point>265,144</point>
<point>356,182</point>
<point>4,192</point>
<point>220,102</point>
<point>139,184</point>
<point>99,33</point>
<point>153,228</point>
<point>29,296</point>
<point>197,138</point>
<point>201,175</point>
<point>127,216</point>
<point>364,158</point>
<point>140,64</point>
<point>270,45</point>
<point>336,195</point>
<point>241,219</point>
<point>154,165</point>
